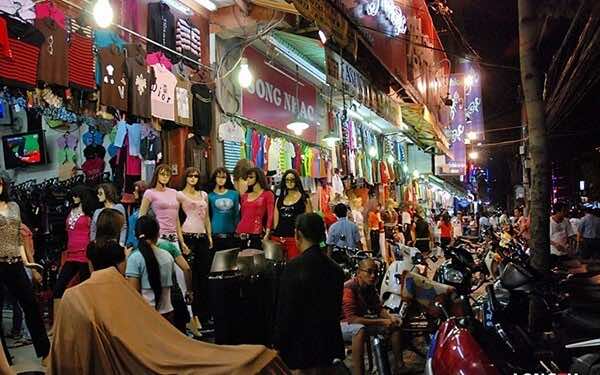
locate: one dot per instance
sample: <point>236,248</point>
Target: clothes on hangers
<point>21,8</point>
<point>161,27</point>
<point>114,86</point>
<point>187,41</point>
<point>47,9</point>
<point>81,61</point>
<point>140,78</point>
<point>163,93</point>
<point>202,108</point>
<point>25,43</point>
<point>183,101</point>
<point>54,53</point>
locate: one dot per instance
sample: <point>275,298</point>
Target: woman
<point>359,219</point>
<point>446,230</point>
<point>239,175</point>
<point>163,202</point>
<point>107,195</point>
<point>224,203</point>
<point>105,248</point>
<point>307,326</point>
<point>421,234</point>
<point>292,202</point>
<point>78,237</point>
<point>197,235</point>
<point>257,211</point>
<point>139,188</point>
<point>150,269</point>
<point>390,218</point>
<point>13,261</point>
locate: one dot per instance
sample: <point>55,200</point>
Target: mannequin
<point>139,188</point>
<point>239,175</point>
<point>359,219</point>
<point>13,261</point>
<point>291,203</point>
<point>390,218</point>
<point>257,207</point>
<point>107,195</point>
<point>163,202</point>
<point>224,203</point>
<point>197,236</point>
<point>78,237</point>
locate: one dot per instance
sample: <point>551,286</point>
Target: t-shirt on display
<point>195,210</point>
<point>54,57</point>
<point>225,211</point>
<point>163,93</point>
<point>113,89</point>
<point>165,206</point>
<point>140,80</point>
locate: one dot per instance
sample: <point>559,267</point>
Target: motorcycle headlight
<point>453,276</point>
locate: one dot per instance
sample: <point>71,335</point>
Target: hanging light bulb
<point>103,13</point>
<point>245,75</point>
<point>322,36</point>
<point>331,139</point>
<point>297,127</point>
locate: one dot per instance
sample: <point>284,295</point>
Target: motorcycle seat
<point>584,321</point>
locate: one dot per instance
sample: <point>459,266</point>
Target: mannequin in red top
<point>257,206</point>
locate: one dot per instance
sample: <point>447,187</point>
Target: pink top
<point>253,213</point>
<point>48,9</point>
<point>195,211</point>
<point>159,58</point>
<point>78,237</point>
<point>165,207</point>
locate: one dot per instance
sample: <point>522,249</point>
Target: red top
<point>357,302</point>
<point>446,229</point>
<point>81,62</point>
<point>254,213</point>
<point>78,237</point>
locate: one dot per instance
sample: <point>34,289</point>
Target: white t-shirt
<point>274,154</point>
<point>406,219</point>
<point>560,233</point>
<point>230,131</point>
<point>163,93</point>
<point>457,227</point>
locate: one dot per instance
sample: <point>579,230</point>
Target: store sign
<point>456,132</point>
<point>342,75</point>
<point>473,106</point>
<point>388,14</point>
<point>271,98</point>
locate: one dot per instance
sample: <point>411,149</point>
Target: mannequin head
<point>221,178</point>
<point>3,190</point>
<point>239,175</point>
<point>192,178</point>
<point>162,176</point>
<point>290,182</point>
<point>256,177</point>
<point>139,188</point>
<point>83,196</point>
<point>310,231</point>
<point>107,194</point>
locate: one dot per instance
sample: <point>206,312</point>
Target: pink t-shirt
<point>195,211</point>
<point>163,93</point>
<point>165,207</point>
<point>257,214</point>
<point>78,237</point>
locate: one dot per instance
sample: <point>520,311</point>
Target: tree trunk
<point>531,78</point>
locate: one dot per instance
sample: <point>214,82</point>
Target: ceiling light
<point>103,13</point>
<point>473,155</point>
<point>322,36</point>
<point>245,75</point>
<point>297,127</point>
<point>207,4</point>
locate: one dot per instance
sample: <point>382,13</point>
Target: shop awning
<point>447,186</point>
<point>309,49</point>
<point>424,130</point>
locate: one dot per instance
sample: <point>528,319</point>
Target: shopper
<point>12,271</point>
<point>356,211</point>
<point>343,233</point>
<point>150,269</point>
<point>560,231</point>
<point>360,301</point>
<point>291,203</point>
<point>484,224</point>
<point>421,233</point>
<point>307,331</point>
<point>197,235</point>
<point>588,235</point>
<point>257,206</point>
<point>139,188</point>
<point>446,230</point>
<point>240,173</point>
<point>224,203</point>
<point>374,221</point>
<point>457,225</point>
<point>78,237</point>
<point>522,224</point>
<point>108,197</point>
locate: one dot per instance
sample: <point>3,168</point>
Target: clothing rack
<point>140,36</point>
<point>274,132</point>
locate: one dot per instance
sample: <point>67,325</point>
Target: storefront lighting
<point>473,155</point>
<point>372,151</point>
<point>245,75</point>
<point>207,4</point>
<point>297,127</point>
<point>469,80</point>
<point>103,13</point>
<point>322,36</point>
<point>416,174</point>
<point>582,185</point>
<point>472,136</point>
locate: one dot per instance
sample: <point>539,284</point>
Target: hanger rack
<point>274,132</point>
<point>140,36</point>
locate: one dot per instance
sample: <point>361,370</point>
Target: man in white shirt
<point>560,231</point>
<point>457,225</point>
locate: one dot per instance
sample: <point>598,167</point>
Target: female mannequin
<point>78,237</point>
<point>224,203</point>
<point>256,211</point>
<point>107,195</point>
<point>13,261</point>
<point>163,202</point>
<point>292,202</point>
<point>359,219</point>
<point>198,237</point>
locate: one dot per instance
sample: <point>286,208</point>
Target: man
<point>343,232</point>
<point>588,234</point>
<point>522,224</point>
<point>360,301</point>
<point>560,231</point>
<point>307,329</point>
<point>457,225</point>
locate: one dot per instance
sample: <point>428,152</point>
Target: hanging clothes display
<point>54,53</point>
<point>161,27</point>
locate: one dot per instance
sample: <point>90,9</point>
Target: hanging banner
<point>456,132</point>
<point>342,75</point>
<point>473,105</point>
<point>271,98</point>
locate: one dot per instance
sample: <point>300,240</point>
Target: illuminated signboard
<point>389,16</point>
